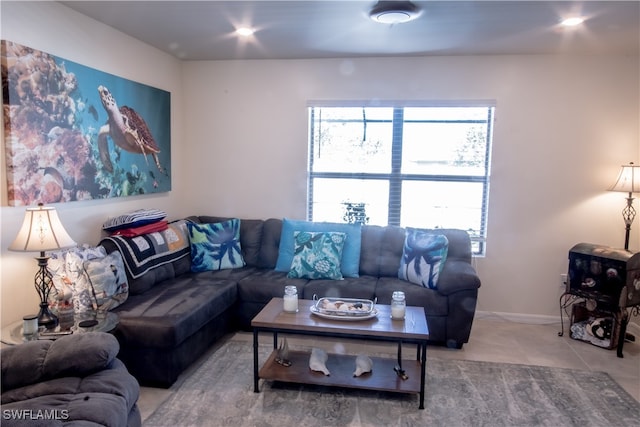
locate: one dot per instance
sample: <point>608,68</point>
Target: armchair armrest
<point>457,276</point>
<point>75,355</point>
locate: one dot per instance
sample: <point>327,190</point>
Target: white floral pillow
<point>83,299</point>
<point>108,280</point>
<point>62,292</point>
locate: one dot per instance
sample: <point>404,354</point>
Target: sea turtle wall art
<point>75,133</point>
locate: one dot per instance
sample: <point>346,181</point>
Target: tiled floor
<point>493,341</point>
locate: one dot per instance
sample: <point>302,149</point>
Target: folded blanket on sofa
<point>147,251</point>
<point>134,219</point>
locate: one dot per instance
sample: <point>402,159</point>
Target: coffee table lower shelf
<point>341,367</point>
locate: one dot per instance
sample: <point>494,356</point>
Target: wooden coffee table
<point>384,377</point>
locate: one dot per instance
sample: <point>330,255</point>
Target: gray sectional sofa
<point>173,315</point>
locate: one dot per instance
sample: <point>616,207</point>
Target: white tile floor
<point>492,341</point>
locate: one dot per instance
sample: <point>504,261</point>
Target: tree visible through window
<point>413,166</point>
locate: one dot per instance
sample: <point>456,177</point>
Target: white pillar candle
<point>291,303</point>
<point>30,324</point>
<point>397,312</point>
<point>398,305</point>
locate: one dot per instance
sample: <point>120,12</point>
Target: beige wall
<point>563,127</point>
<point>239,144</point>
<point>55,29</point>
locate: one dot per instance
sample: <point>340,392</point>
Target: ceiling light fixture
<point>394,12</point>
<point>245,31</point>
<point>572,22</point>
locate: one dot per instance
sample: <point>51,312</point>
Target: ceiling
<point>204,30</point>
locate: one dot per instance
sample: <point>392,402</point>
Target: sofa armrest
<point>75,355</point>
<point>457,276</point>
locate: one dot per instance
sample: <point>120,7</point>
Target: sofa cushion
<point>434,302</point>
<point>423,257</point>
<point>264,284</point>
<point>459,244</point>
<point>148,251</point>
<point>317,255</point>
<point>381,250</point>
<point>457,276</point>
<point>350,256</point>
<point>363,287</point>
<point>174,309</point>
<point>270,244</point>
<point>215,246</point>
<point>233,274</point>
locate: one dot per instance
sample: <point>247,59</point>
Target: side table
<point>12,334</point>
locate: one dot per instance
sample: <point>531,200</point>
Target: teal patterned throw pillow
<point>423,257</point>
<point>317,255</point>
<point>215,246</point>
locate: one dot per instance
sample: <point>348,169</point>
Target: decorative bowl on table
<point>344,308</point>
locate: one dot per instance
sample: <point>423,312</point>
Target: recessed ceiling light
<point>572,22</point>
<point>394,12</point>
<point>245,31</point>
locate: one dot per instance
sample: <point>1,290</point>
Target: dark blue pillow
<point>215,246</point>
<point>423,257</point>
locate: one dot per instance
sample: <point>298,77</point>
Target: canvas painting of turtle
<point>72,132</point>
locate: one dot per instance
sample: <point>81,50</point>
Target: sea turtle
<point>127,130</point>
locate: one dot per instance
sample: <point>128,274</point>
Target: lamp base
<point>46,318</point>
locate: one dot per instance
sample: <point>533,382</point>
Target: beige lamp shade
<point>41,231</point>
<point>628,180</point>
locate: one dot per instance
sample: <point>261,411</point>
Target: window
<point>413,166</point>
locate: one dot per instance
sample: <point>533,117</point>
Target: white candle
<point>291,303</point>
<point>30,325</point>
<point>397,312</point>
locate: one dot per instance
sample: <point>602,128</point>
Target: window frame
<point>395,176</point>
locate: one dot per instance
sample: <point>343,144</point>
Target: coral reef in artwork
<point>52,119</point>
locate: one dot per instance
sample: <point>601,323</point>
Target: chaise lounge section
<point>173,315</point>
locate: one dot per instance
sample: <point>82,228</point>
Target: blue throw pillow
<point>215,246</point>
<point>350,263</point>
<point>317,255</point>
<point>423,257</point>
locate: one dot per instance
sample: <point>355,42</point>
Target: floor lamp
<point>628,182</point>
<point>42,231</point>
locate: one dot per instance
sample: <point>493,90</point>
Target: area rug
<point>458,393</point>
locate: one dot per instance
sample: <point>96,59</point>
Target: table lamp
<point>628,182</point>
<point>42,231</point>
